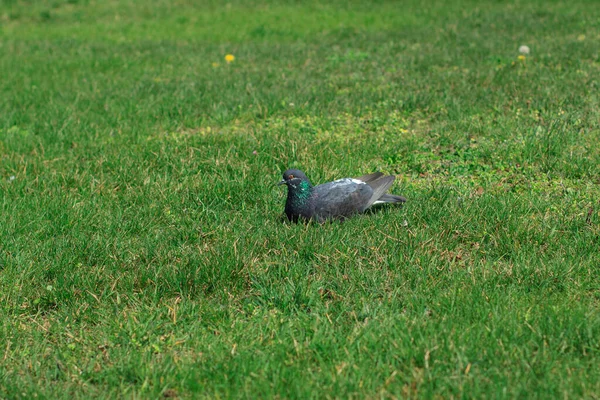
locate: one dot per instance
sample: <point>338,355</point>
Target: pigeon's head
<point>293,177</point>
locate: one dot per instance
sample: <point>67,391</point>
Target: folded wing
<point>341,198</point>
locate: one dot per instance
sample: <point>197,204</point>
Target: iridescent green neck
<point>303,190</point>
<point>299,194</point>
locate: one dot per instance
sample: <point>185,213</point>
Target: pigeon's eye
<point>291,177</point>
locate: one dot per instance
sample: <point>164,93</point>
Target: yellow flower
<point>229,58</point>
<point>521,57</point>
<point>581,38</point>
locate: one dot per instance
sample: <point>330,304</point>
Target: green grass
<point>142,252</point>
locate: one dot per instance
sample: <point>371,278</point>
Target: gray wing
<point>370,177</point>
<point>341,198</point>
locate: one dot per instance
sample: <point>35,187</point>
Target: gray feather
<point>391,198</point>
<point>370,177</point>
<point>380,186</point>
<point>340,198</point>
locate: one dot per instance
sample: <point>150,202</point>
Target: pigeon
<point>335,200</point>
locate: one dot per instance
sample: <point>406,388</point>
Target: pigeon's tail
<point>379,186</point>
<point>390,198</point>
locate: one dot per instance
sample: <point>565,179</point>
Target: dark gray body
<point>338,199</point>
<point>341,198</point>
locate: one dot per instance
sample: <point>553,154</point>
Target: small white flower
<point>12,178</point>
<point>524,49</point>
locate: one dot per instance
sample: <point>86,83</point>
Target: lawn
<point>142,250</point>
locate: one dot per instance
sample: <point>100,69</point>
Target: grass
<point>142,254</point>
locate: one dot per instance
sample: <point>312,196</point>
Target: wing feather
<point>380,186</point>
<point>370,177</point>
<point>341,198</point>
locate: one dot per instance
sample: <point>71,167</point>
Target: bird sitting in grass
<point>335,200</point>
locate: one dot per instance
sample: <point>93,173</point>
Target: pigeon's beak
<point>281,182</point>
